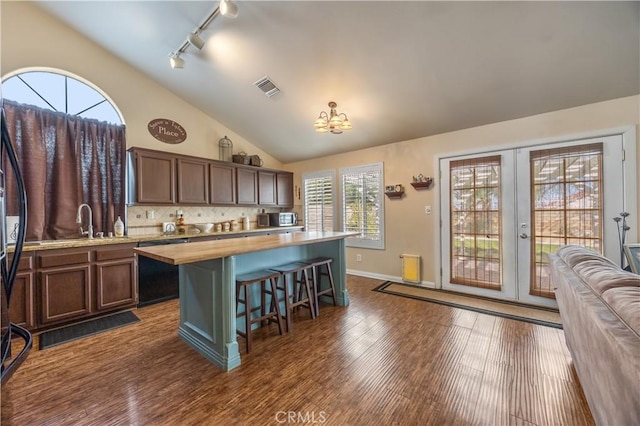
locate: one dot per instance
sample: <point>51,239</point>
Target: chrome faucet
<point>89,231</point>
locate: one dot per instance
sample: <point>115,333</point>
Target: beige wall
<point>407,228</point>
<point>31,38</point>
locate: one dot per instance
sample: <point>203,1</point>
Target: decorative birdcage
<point>225,149</point>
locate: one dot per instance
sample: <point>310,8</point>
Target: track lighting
<point>195,41</point>
<point>225,8</point>
<point>228,9</point>
<point>176,61</point>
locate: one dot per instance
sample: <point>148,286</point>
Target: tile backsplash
<point>145,220</point>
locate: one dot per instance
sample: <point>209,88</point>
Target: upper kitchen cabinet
<point>153,178</point>
<point>284,185</point>
<point>193,180</point>
<point>266,188</point>
<point>222,183</point>
<point>247,185</point>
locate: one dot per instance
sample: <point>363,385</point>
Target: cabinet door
<point>222,184</point>
<point>247,186</point>
<point>22,304</point>
<point>284,184</point>
<point>193,181</point>
<point>65,293</point>
<point>116,284</point>
<point>155,178</point>
<point>266,188</point>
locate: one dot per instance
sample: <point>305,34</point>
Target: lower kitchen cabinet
<point>82,282</point>
<point>22,305</point>
<point>116,278</point>
<point>64,284</point>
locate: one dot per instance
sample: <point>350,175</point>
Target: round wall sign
<point>167,131</point>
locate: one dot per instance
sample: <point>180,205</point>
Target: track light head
<point>195,40</point>
<point>228,9</point>
<point>176,62</point>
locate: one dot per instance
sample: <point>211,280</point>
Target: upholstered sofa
<point>600,310</point>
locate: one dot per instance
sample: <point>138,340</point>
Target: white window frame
<point>361,241</point>
<point>315,175</point>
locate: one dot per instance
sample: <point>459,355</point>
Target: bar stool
<point>317,264</point>
<point>243,282</point>
<point>295,299</point>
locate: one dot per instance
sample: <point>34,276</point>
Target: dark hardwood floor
<point>384,360</point>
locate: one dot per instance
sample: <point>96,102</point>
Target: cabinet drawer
<point>63,259</point>
<point>26,262</point>
<point>114,253</point>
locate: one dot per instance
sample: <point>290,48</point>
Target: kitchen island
<point>207,281</point>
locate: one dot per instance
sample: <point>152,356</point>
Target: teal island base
<point>208,295</point>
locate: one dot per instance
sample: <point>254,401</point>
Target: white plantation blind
<point>319,201</point>
<point>363,205</point>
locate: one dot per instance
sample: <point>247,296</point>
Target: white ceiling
<point>400,70</point>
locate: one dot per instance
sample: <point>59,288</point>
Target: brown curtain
<point>66,161</point>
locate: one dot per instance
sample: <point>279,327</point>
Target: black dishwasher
<point>157,281</point>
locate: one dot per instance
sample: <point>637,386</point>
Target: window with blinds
<point>476,234</point>
<point>567,206</point>
<point>363,205</point>
<point>319,205</point>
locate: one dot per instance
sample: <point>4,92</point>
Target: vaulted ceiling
<point>399,69</point>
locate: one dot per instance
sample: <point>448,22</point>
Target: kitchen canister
<point>245,223</point>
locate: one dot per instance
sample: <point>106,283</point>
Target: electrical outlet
<point>178,212</point>
<point>427,209</point>
<point>358,258</point>
<point>151,214</point>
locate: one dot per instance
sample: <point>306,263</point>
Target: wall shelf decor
<point>422,182</point>
<point>394,191</point>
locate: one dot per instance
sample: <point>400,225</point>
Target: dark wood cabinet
<point>116,277</point>
<point>247,186</point>
<point>266,188</point>
<point>64,285</point>
<point>155,177</point>
<point>222,183</point>
<point>162,178</point>
<point>192,180</point>
<point>22,305</point>
<point>284,185</point>
<point>77,283</point>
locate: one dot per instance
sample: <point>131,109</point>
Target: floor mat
<point>84,329</point>
<point>517,311</point>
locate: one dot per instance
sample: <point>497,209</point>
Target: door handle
<point>524,236</point>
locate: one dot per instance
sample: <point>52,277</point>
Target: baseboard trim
<point>426,284</point>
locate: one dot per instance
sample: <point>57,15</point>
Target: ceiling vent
<point>266,85</point>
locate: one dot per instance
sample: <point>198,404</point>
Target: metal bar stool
<point>317,264</point>
<point>294,299</point>
<point>273,315</point>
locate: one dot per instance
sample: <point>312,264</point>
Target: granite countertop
<point>85,242</point>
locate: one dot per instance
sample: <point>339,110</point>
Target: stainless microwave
<point>283,219</point>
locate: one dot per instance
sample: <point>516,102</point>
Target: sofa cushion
<point>601,278</point>
<point>625,301</point>
<point>572,255</point>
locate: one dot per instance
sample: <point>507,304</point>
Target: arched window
<point>70,143</point>
<point>60,91</point>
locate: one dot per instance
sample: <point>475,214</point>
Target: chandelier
<point>332,122</point>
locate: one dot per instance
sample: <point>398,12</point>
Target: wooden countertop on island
<point>178,254</point>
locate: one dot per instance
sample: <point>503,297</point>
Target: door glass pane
<point>566,206</point>
<point>475,222</point>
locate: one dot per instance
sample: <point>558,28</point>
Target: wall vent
<point>267,86</point>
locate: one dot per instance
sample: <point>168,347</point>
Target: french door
<point>504,211</point>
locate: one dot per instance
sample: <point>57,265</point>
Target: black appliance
<point>157,281</point>
<point>8,272</point>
